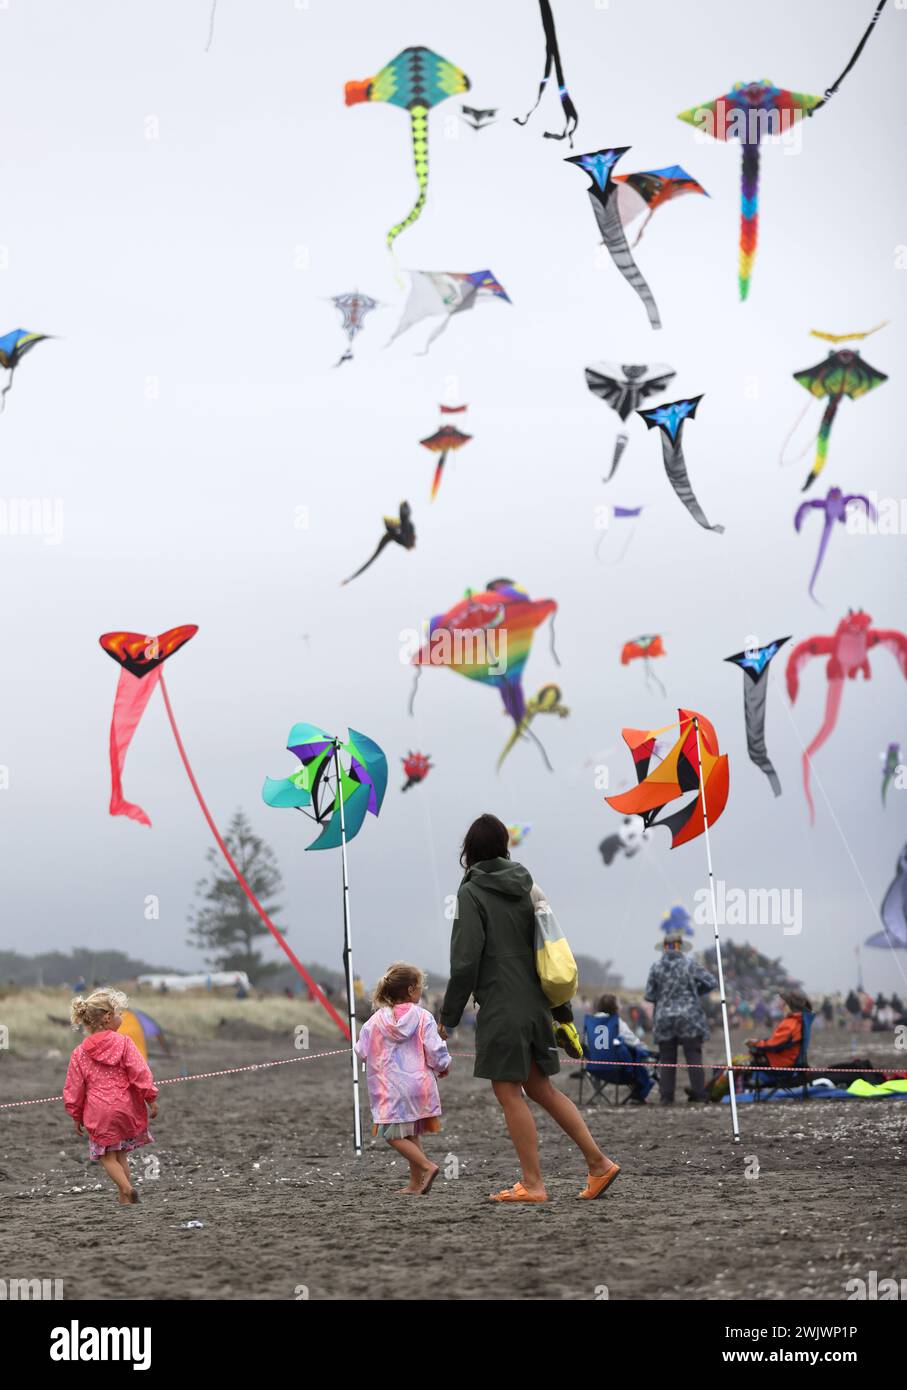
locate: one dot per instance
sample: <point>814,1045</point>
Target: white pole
<point>727,1032</point>
<point>348,959</point>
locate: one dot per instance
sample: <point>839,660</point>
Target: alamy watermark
<point>751,907</point>
<point>32,516</point>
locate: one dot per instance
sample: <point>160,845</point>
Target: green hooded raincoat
<point>492,956</point>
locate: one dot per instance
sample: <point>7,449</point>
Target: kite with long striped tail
<point>445,439</point>
<point>842,374</point>
<point>748,112</point>
<point>669,419</point>
<point>416,80</point>
<point>603,195</point>
<point>754,663</point>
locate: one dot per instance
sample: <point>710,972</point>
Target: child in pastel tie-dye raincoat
<point>403,1052</point>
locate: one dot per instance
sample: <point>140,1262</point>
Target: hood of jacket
<point>500,876</point>
<point>106,1047</point>
<point>398,1029</point>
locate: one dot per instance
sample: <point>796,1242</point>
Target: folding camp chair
<point>769,1081</point>
<point>602,1047</point>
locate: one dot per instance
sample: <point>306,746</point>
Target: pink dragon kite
<point>848,651</point>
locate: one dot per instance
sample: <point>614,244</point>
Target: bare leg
<point>421,1168</point>
<point>564,1113</point>
<point>120,1176</point>
<point>521,1127</point>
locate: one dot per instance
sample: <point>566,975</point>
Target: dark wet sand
<point>264,1160</point>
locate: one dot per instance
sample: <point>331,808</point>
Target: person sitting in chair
<point>608,1006</point>
<point>783,1047</point>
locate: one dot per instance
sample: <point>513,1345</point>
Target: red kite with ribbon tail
<point>141,659</point>
<point>694,764</point>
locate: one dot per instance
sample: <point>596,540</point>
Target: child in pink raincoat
<point>403,1051</point>
<point>108,1087</point>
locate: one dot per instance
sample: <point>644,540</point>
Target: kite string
<point>830,91</point>
<point>237,874</point>
<point>789,436</point>
<point>837,824</point>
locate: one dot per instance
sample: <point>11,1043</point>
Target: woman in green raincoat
<point>492,956</point>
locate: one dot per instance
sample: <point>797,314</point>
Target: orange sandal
<point>596,1187</point>
<point>517,1193</point>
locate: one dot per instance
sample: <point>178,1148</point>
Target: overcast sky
<point>178,219</point>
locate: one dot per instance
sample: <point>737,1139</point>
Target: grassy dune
<point>185,1018</point>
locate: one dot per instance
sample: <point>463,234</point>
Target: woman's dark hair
<point>607,1004</point>
<point>486,838</point>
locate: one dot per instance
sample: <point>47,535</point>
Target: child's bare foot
<point>427,1179</point>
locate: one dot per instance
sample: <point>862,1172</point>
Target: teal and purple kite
<point>416,80</point>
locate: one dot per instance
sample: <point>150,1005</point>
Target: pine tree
<point>225,924</point>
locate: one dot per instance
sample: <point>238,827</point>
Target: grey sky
<point>195,268</point>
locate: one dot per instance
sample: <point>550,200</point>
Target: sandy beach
<point>263,1159</point>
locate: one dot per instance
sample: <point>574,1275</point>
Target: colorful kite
<point>341,791</point>
<point>547,700</point>
<point>553,60</point>
<point>603,195</point>
<point>415,80</point>
<point>842,374</point>
<point>417,767</point>
<point>399,529</point>
<point>834,506</point>
<point>846,337</point>
<point>516,834</point>
<point>339,795</point>
<point>487,637</point>
<point>13,347</point>
<point>617,514</point>
<point>624,388</point>
<point>754,663</point>
<point>848,651</point>
<point>644,649</point>
<point>478,118</point>
<point>434,293</point>
<point>894,911</point>
<point>678,773</point>
<point>443,440</point>
<point>749,111</point>
<point>628,841</point>
<point>141,660</point>
<point>669,419</point>
<point>354,308</point>
<point>891,761</point>
<point>647,190</point>
<point>694,764</point>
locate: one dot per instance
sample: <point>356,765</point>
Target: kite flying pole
<point>708,850</point>
<point>348,957</point>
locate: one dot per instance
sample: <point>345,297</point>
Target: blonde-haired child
<point>403,1051</point>
<point>108,1086</point>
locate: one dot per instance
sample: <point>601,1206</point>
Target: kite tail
<point>651,214</point>
<point>237,873</point>
<point>412,698</point>
<point>679,479</point>
<point>749,215</point>
<point>615,239</point>
<point>7,388</point>
<point>553,59</point>
<point>822,438</point>
<point>832,706</point>
<point>620,444</point>
<point>651,676</point>
<point>541,747</point>
<point>436,480</point>
<point>211,26</point>
<point>419,119</point>
<point>557,660</point>
<point>128,707</point>
<point>827,525</point>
